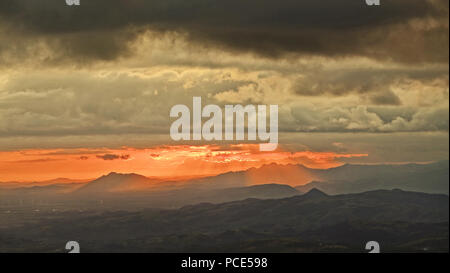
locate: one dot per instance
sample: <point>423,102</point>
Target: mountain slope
<point>291,175</point>
<point>313,222</point>
<point>430,178</point>
<point>266,191</point>
<point>115,182</point>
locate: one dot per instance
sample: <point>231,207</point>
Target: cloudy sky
<point>93,85</point>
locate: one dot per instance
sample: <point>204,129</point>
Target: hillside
<point>315,221</point>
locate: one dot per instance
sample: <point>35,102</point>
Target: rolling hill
<point>313,222</point>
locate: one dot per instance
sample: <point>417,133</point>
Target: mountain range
<point>270,181</point>
<point>313,222</point>
<point>430,178</point>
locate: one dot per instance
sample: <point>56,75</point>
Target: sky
<point>87,90</point>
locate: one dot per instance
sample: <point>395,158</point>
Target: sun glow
<point>176,162</point>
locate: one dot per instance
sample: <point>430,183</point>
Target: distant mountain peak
<point>117,182</point>
<point>111,174</point>
<point>277,165</point>
<point>315,193</point>
<point>116,174</point>
<point>270,185</point>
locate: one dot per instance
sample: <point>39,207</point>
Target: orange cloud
<point>164,162</point>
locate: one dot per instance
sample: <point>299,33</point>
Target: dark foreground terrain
<point>314,222</point>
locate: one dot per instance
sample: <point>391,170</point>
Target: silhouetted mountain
<point>116,182</point>
<point>290,174</point>
<point>49,189</point>
<point>56,181</point>
<point>266,191</point>
<point>430,178</point>
<point>133,191</point>
<point>313,222</point>
<point>315,193</point>
<point>267,174</point>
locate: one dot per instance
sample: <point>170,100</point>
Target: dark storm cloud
<point>385,98</point>
<point>374,82</point>
<point>102,29</point>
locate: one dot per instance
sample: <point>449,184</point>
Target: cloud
<point>245,93</point>
<point>265,27</point>
<point>340,81</point>
<point>40,160</point>
<point>68,102</point>
<point>364,119</point>
<point>113,157</point>
<point>385,98</point>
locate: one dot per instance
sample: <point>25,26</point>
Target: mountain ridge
<point>399,220</point>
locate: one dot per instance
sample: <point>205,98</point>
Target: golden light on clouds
<point>162,162</point>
